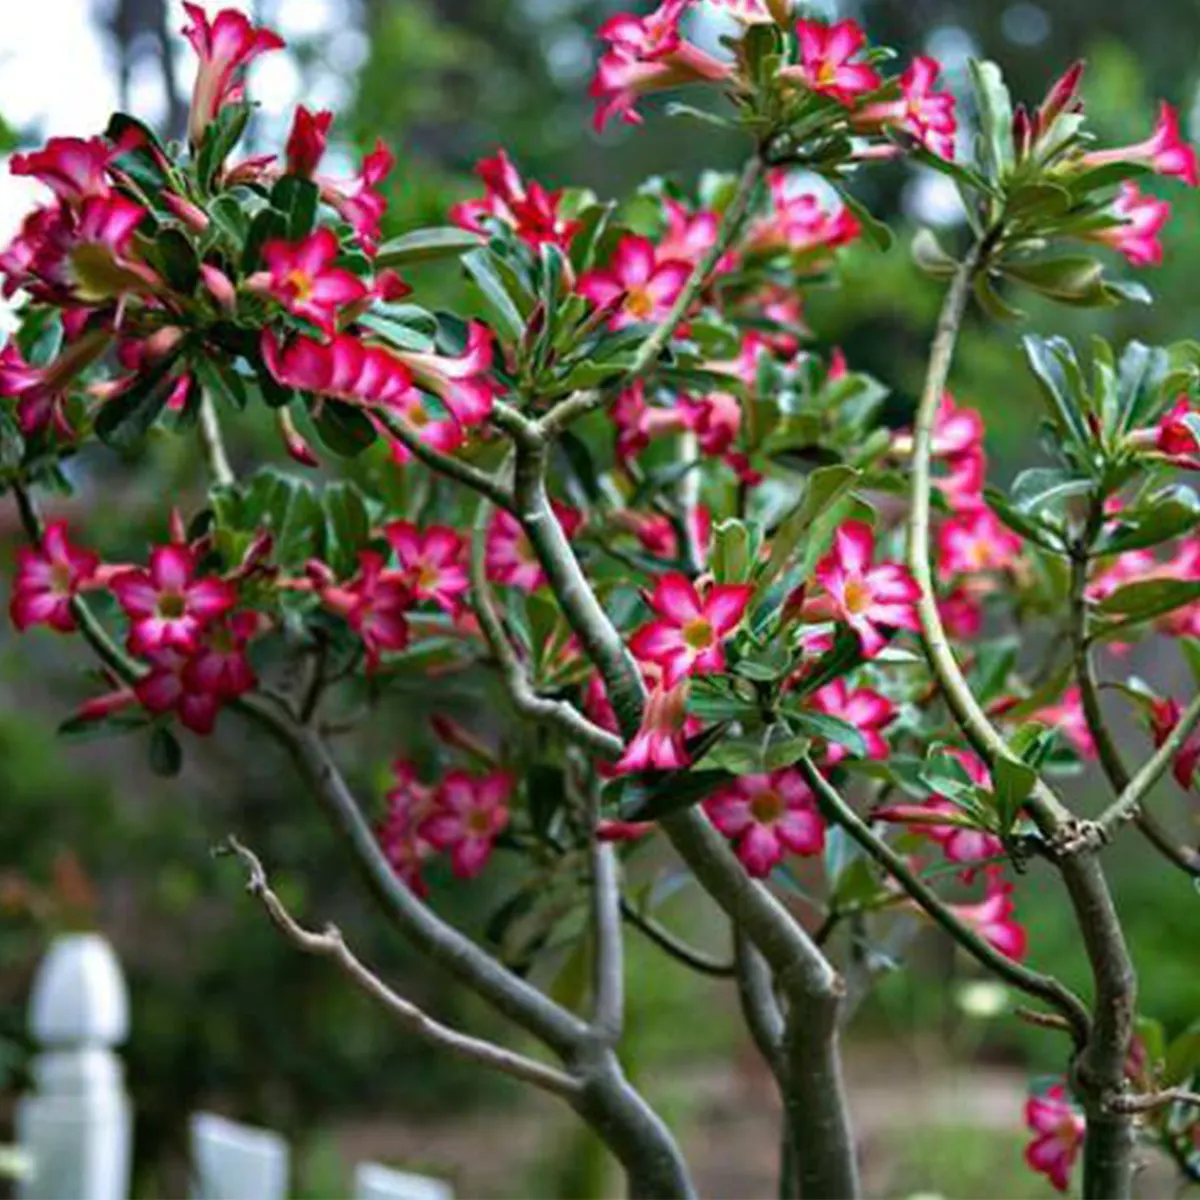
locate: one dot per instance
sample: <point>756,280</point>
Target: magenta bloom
<point>975,540</point>
<point>168,607</point>
<point>1164,716</point>
<point>1068,717</point>
<point>637,285</point>
<point>1142,218</point>
<point>226,46</point>
<point>715,419</point>
<point>220,665</point>
<point>870,599</point>
<point>408,803</point>
<point>827,65</point>
<point>510,557</point>
<point>306,141</point>
<point>864,708</point>
<point>469,812</point>
<point>344,368</point>
<point>360,202</point>
<point>921,111</point>
<point>992,917</point>
<point>442,433</point>
<point>1164,151</point>
<point>375,604</point>
<point>433,562</point>
<point>688,635</point>
<point>464,384</point>
<point>769,817</point>
<point>48,578</point>
<point>304,280</point>
<point>1058,1133</point>
<point>660,742</point>
<point>167,689</point>
<point>41,393</point>
<point>72,168</point>
<point>797,223</point>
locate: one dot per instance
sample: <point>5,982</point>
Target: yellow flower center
<point>172,606</point>
<point>767,807</point>
<point>479,822</point>
<point>60,578</point>
<point>857,597</point>
<point>427,577</point>
<point>698,634</point>
<point>300,283</point>
<point>639,303</point>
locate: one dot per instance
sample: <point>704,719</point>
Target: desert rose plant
<point>728,605</point>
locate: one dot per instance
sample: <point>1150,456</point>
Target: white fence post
<point>76,1125</point>
<point>237,1162</point>
<point>375,1182</point>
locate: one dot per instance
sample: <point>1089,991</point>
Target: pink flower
<point>468,814</point>
<point>360,202</point>
<point>647,54</point>
<point>638,422</point>
<point>464,384</point>
<point>922,112</point>
<point>442,433</point>
<point>42,393</point>
<point>961,612</point>
<point>304,280</point>
<point>1058,1133</point>
<point>345,369</point>
<point>868,598</point>
<point>433,561</point>
<point>510,557</point>
<point>1068,717</point>
<point>72,168</point>
<point>992,917</point>
<point>226,46</point>
<point>220,666</point>
<point>48,578</point>
<point>637,285</point>
<point>659,744</point>
<point>166,688</point>
<point>167,605</point>
<point>975,540</point>
<point>1174,436</point>
<point>827,53</point>
<point>864,708</point>
<point>1142,218</point>
<point>689,235</point>
<point>797,223</point>
<point>1164,152</point>
<point>958,443</point>
<point>768,816</point>
<point>408,804</point>
<point>375,604</point>
<point>688,636</point>
<point>529,209</point>
<point>715,419</point>
<point>306,141</point>
<point>1164,716</point>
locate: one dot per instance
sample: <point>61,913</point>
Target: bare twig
<point>213,442</point>
<point>1154,1100</point>
<point>674,946</point>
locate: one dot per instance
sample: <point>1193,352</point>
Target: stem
<point>1108,1153</point>
<point>213,443</point>
<point>608,961</point>
<point>675,947</point>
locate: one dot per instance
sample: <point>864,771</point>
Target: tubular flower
<point>768,817</point>
<point>463,384</point>
<point>342,369</point>
<point>409,802</point>
<point>1058,1132</point>
<point>225,46</point>
<point>1164,716</point>
<point>1142,218</point>
<point>659,744</point>
<point>868,598</point>
<point>167,605</point>
<point>962,612</point>
<point>72,168</point>
<point>864,708</point>
<point>1175,436</point>
<point>688,636</point>
<point>306,141</point>
<point>798,223</point>
<point>468,813</point>
<point>715,419</point>
<point>992,917</point>
<point>1164,151</point>
<point>975,540</point>
<point>757,12</point>
<point>532,212</point>
<point>375,604</point>
<point>638,285</point>
<point>360,202</point>
<point>647,54</point>
<point>442,433</point>
<point>48,578</point>
<point>510,557</point>
<point>433,562</point>
<point>637,422</point>
<point>689,236</point>
<point>827,53</point>
<point>922,112</point>
<point>41,393</point>
<point>304,280</point>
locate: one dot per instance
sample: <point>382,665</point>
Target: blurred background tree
<point>224,1013</point>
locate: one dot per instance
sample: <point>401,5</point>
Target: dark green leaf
<point>427,245</point>
<point>346,430</point>
<point>297,199</point>
<point>166,754</point>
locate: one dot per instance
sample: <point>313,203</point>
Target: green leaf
<point>347,525</point>
<point>267,225</point>
<point>831,728</point>
<point>1183,1057</point>
<point>1166,515</point>
<point>652,797</point>
<point>732,553</point>
<point>221,136</point>
<point>506,315</point>
<point>166,754</point>
<point>427,245</point>
<point>344,429</point>
<point>1074,280</point>
<point>12,443</point>
<point>1028,527</point>
<point>124,421</point>
<point>875,230</point>
<point>993,303</point>
<point>220,380</point>
<point>297,198</point>
<point>1149,598</point>
<point>399,334</point>
<point>1012,782</point>
<point>823,488</point>
<point>995,117</point>
<point>930,257</point>
<point>1057,371</point>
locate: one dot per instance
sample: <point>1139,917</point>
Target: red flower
<point>827,53</point>
<point>1142,218</point>
<point>528,208</point>
<point>464,384</point>
<point>226,46</point>
<point>220,665</point>
<point>715,419</point>
<point>1175,436</point>
<point>72,168</point>
<point>975,540</point>
<point>864,708</point>
<point>375,604</point>
<point>48,578</point>
<point>1058,1133</point>
<point>797,223</point>
<point>992,917</point>
<point>166,688</point>
<point>510,557</point>
<point>468,814</point>
<point>41,393</point>
<point>1068,717</point>
<point>768,816</point>
<point>442,433</point>
<point>868,598</point>
<point>433,562</point>
<point>637,285</point>
<point>922,112</point>
<point>647,54</point>
<point>1164,151</point>
<point>659,744</point>
<point>168,607</point>
<point>408,804</point>
<point>344,369</point>
<point>304,280</point>
<point>1164,716</point>
<point>691,628</point>
<point>360,202</point>
<point>306,141</point>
